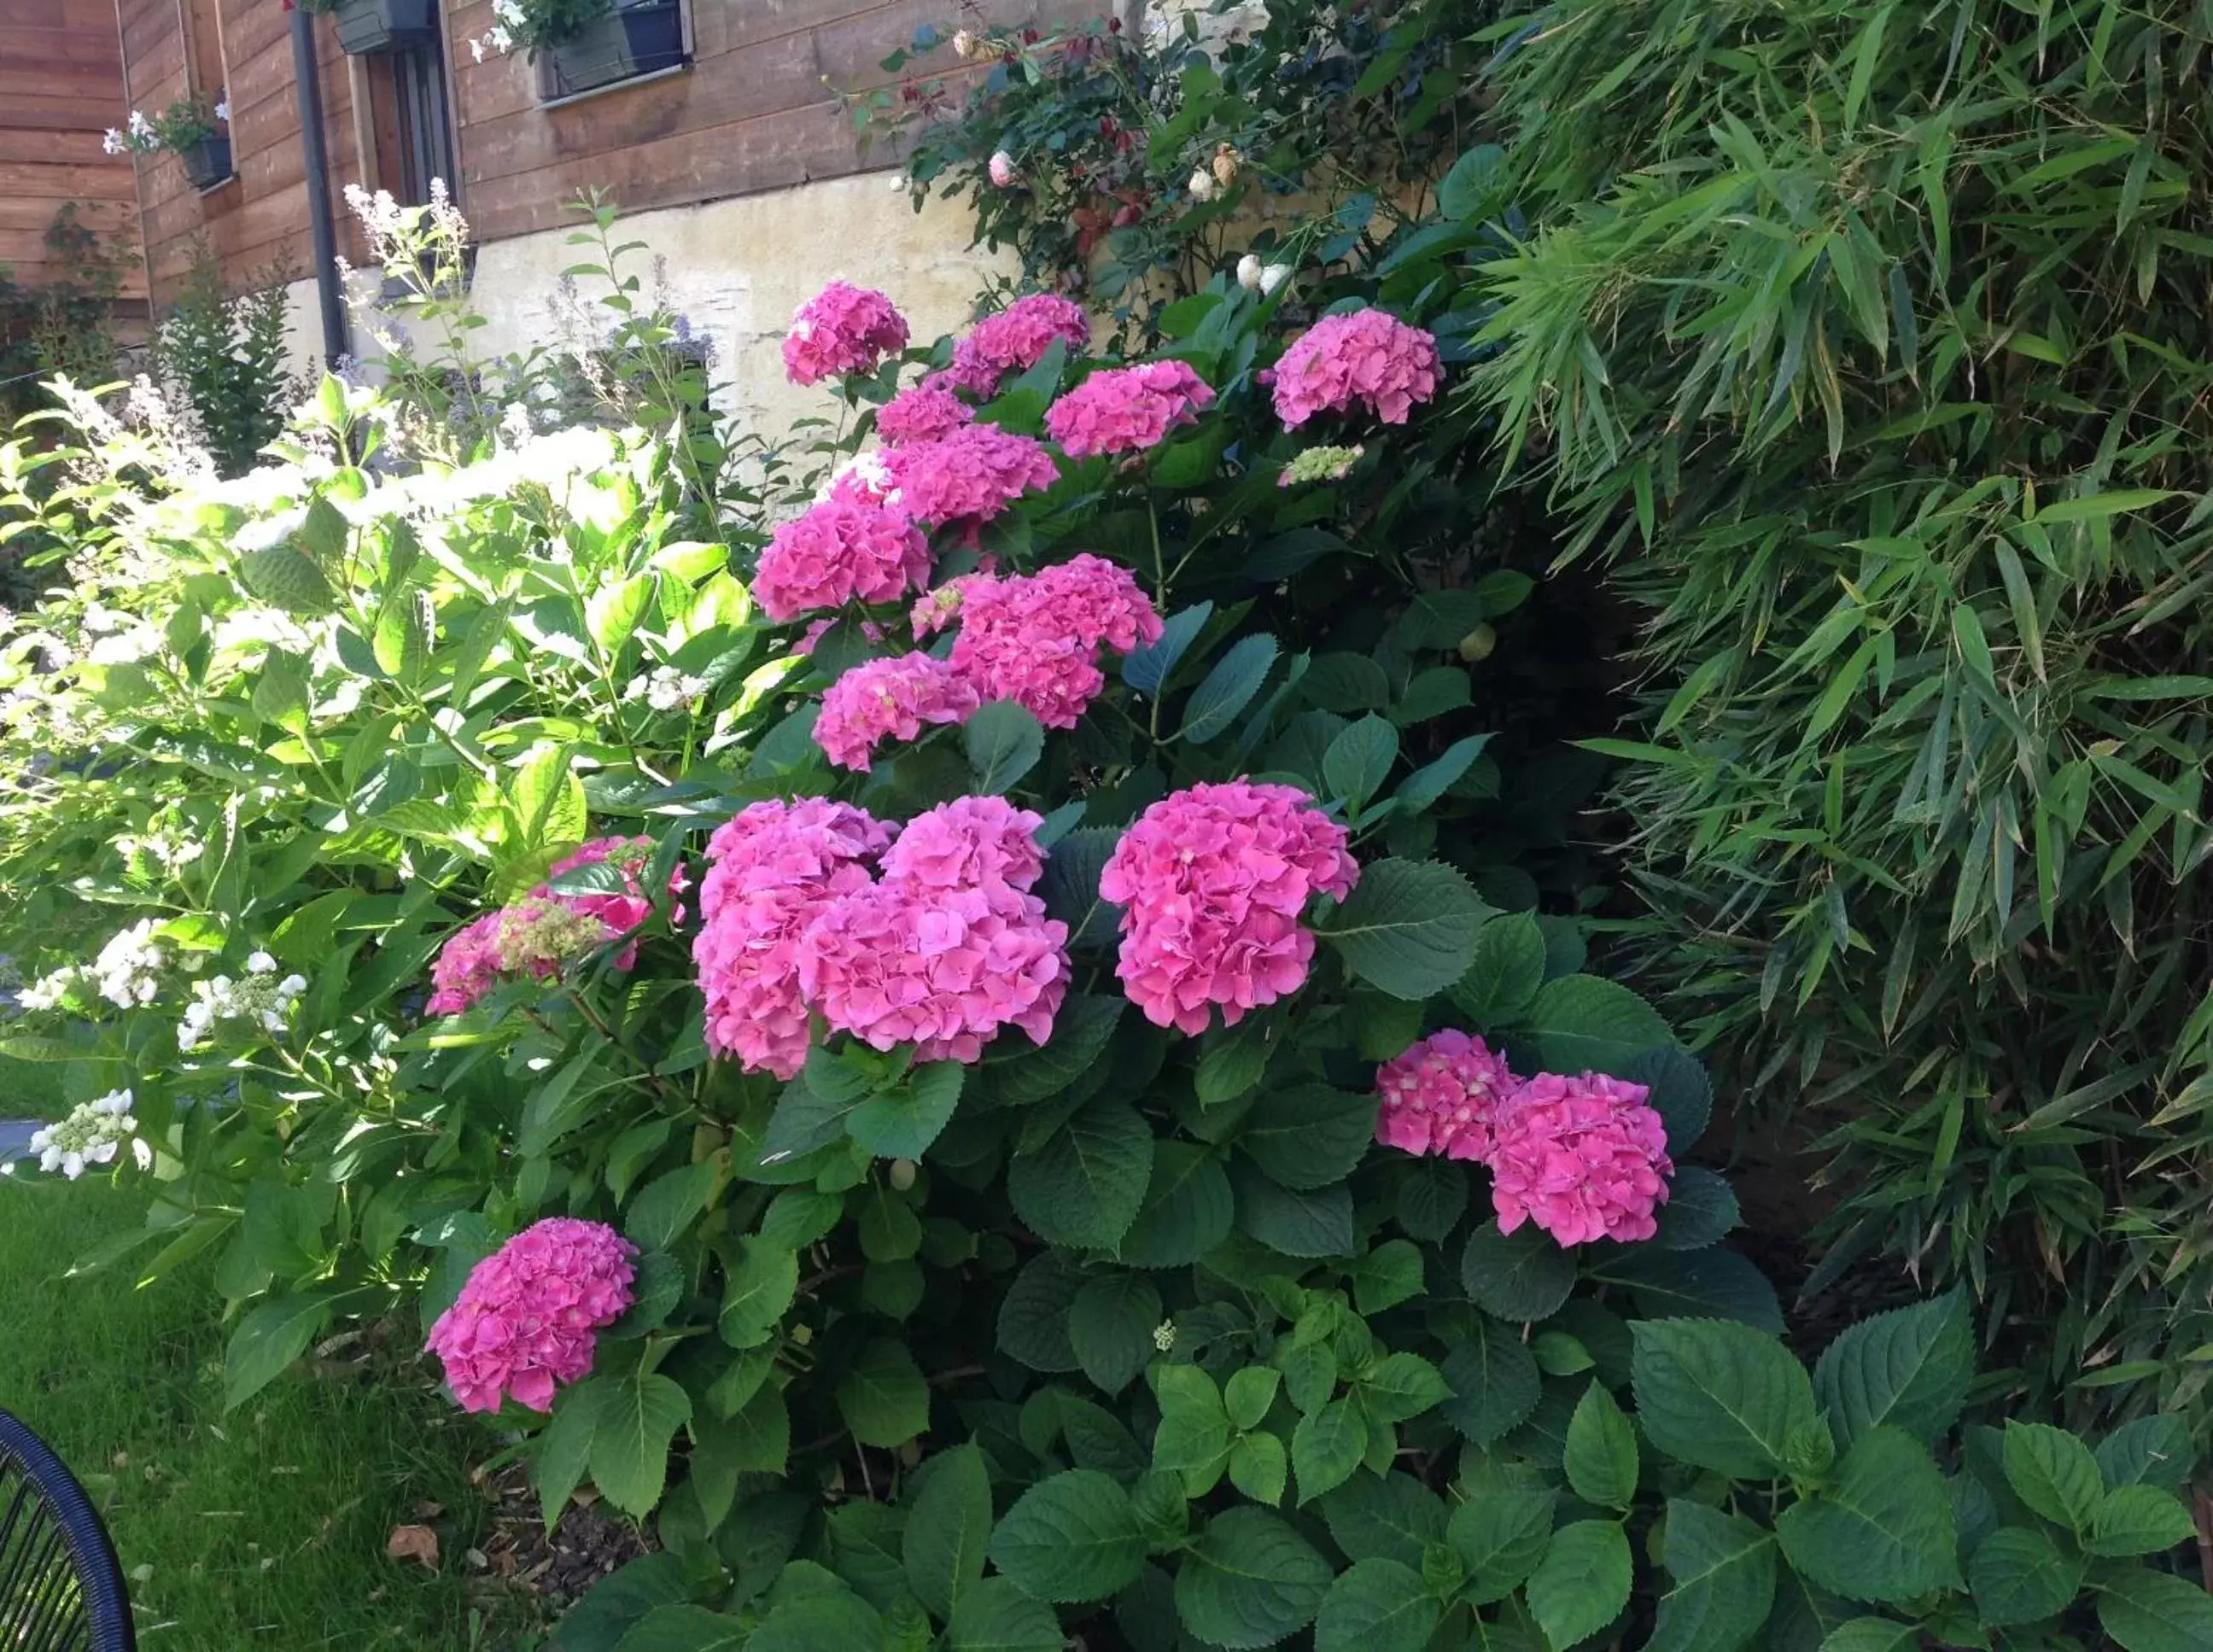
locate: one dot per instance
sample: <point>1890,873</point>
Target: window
<point>410,133</point>
<point>638,37</point>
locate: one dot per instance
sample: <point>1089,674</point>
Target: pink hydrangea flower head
<point>968,477</point>
<point>944,970</point>
<point>882,700</point>
<point>1585,1158</point>
<point>529,1316</point>
<point>1035,640</point>
<point>924,413</point>
<point>1365,357</point>
<point>842,550</point>
<point>468,967</point>
<point>1016,339</point>
<point>1003,172</point>
<point>538,935</point>
<point>842,329</point>
<point>1127,409</point>
<point>971,843</point>
<point>620,913</point>
<point>772,868</point>
<point>1213,882</point>
<point>1443,1096</point>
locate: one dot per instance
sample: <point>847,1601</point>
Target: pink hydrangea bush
<point>1443,1096</point>
<point>923,412</point>
<point>1127,410</point>
<point>842,329</point>
<point>1213,882</point>
<point>770,871</point>
<point>888,699</point>
<point>529,1316</point>
<point>967,477</point>
<point>1035,639</point>
<point>1585,1158</point>
<point>1016,340</point>
<point>1364,358</point>
<point>844,549</point>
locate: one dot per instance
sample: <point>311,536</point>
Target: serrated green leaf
<point>1359,759</point>
<point>1601,1461</point>
<point>2139,1520</point>
<point>2151,1612</point>
<point>637,1419</point>
<point>1110,1326</point>
<point>1494,1382</point>
<point>2054,1474</point>
<point>1720,1395</point>
<point>1908,1369</point>
<point>1085,1186</point>
<point>1722,1569</point>
<point>1409,927</point>
<point>1228,688</point>
<point>1003,741</point>
<point>1882,1531</point>
<point>1309,1136</point>
<point>1327,1447</point>
<point>1583,1583</point>
<point>1377,1605</point>
<point>1072,1537</point>
<point>949,1530</point>
<point>1585,1023</point>
<point>1521,1276</point>
<point>2019,1576</point>
<point>884,1398</point>
<point>1250,1581</point>
<point>1500,1534</point>
<point>995,1616</point>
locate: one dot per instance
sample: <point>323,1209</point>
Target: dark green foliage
<point>222,356</point>
<point>1868,345</point>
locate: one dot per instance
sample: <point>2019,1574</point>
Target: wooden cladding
<point>61,89</point>
<point>757,109</point>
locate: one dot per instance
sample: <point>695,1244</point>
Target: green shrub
<point>1865,344</point>
<point>1140,158</point>
<point>222,357</point>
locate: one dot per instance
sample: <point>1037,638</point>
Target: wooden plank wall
<point>256,225</point>
<point>61,89</point>
<point>752,113</point>
<point>755,112</point>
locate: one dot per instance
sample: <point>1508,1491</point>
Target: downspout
<point>323,232</point>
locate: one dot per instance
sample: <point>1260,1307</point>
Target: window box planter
<point>368,27</point>
<point>207,163</point>
<point>629,41</point>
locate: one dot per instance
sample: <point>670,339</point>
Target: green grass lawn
<point>266,1527</point>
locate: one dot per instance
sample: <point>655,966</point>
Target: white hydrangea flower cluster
<point>258,999</point>
<point>129,968</point>
<point>1255,277</point>
<point>92,1135</point>
<point>50,991</point>
<point>666,689</point>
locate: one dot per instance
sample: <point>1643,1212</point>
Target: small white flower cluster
<point>1255,277</point>
<point>129,968</point>
<point>258,999</point>
<point>508,16</point>
<point>138,138</point>
<point>91,1135</point>
<point>666,689</point>
<point>50,992</point>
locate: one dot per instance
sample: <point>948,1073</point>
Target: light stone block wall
<point>737,269</point>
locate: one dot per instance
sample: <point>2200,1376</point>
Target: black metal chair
<point>61,1589</point>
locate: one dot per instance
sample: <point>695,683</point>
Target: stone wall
<point>735,270</point>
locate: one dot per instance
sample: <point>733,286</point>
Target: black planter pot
<point>207,163</point>
<point>630,41</point>
<point>368,27</point>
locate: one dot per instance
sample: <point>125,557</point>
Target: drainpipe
<point>324,234</point>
